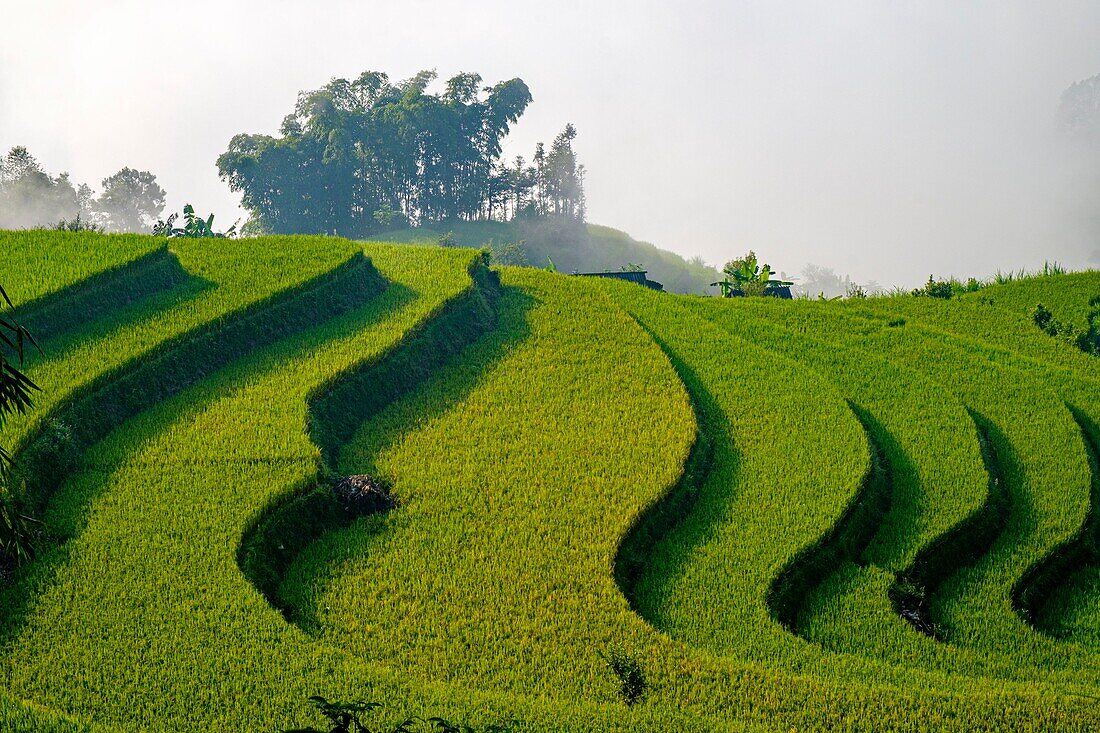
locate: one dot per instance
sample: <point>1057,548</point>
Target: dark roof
<point>634,276</point>
<point>779,291</point>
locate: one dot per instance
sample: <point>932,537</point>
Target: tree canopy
<point>357,157</point>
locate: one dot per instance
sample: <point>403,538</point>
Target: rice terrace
<point>401,441</point>
<point>577,465</point>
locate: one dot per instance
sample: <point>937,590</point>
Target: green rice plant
<point>1014,276</point>
<point>37,263</point>
<point>349,572</point>
<point>1059,375</point>
<point>95,298</point>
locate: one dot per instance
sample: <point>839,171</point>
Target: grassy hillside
<point>572,248</point>
<point>793,515</point>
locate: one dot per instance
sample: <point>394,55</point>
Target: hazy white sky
<point>887,140</point>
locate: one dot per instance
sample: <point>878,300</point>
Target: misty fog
<point>887,142</point>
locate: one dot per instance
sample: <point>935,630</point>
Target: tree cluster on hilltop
<point>362,156</point>
<point>130,200</point>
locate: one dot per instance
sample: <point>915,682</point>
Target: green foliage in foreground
<point>16,390</point>
<point>842,461</point>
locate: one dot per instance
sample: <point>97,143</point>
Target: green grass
<point>39,263</point>
<point>536,432</point>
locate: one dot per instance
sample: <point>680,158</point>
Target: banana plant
<point>195,227</point>
<point>745,276</point>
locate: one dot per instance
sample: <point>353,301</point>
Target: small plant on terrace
<point>78,224</point>
<point>508,253</point>
<point>17,530</point>
<point>1089,341</point>
<point>632,682</point>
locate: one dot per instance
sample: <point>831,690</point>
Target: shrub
<point>746,276</point>
<point>508,253</point>
<point>1087,341</point>
<point>77,224</point>
<point>342,717</point>
<point>935,289</point>
<point>632,681</point>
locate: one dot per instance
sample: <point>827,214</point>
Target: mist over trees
<point>29,197</point>
<point>130,200</point>
<point>368,155</point>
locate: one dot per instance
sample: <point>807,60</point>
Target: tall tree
<point>131,201</point>
<point>563,178</point>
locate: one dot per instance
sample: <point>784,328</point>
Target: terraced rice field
<point>865,515</point>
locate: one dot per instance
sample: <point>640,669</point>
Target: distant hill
<point>572,248</point>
